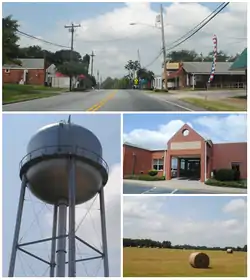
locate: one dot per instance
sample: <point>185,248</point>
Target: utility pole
<point>92,62</point>
<point>98,82</point>
<point>164,51</point>
<point>72,30</point>
<point>139,57</point>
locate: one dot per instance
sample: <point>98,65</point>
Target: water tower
<point>63,167</point>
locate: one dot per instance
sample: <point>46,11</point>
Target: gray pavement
<point>102,100</point>
<point>175,186</point>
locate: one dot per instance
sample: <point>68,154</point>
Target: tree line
<point>67,63</point>
<point>148,243</point>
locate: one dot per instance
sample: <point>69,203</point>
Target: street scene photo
<point>185,154</point>
<point>124,56</point>
<point>61,195</point>
<point>185,236</point>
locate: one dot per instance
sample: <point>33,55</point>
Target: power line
<point>42,40</point>
<point>154,59</point>
<point>204,24</point>
<point>190,31</point>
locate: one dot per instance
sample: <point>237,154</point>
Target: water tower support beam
<point>53,244</point>
<point>104,234</point>
<point>17,227</point>
<point>61,242</point>
<point>72,201</point>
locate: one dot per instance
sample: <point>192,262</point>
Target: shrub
<point>232,184</point>
<point>144,177</point>
<point>224,175</point>
<point>152,172</point>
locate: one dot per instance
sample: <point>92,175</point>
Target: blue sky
<point>17,131</point>
<point>154,130</point>
<point>207,220</point>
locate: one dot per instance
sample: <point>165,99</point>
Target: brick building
<point>194,156</point>
<point>31,71</point>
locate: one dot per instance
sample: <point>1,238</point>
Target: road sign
<point>136,81</point>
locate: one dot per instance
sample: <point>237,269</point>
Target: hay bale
<point>199,260</point>
<point>230,251</point>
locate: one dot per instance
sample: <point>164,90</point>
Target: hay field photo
<point>147,262</point>
<point>185,236</point>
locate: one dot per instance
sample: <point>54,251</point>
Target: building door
<point>236,167</point>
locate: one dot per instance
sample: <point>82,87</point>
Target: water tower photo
<point>61,195</point>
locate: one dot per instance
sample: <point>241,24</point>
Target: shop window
<point>158,164</point>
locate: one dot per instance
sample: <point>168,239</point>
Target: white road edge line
<point>172,103</point>
<point>174,191</point>
<point>149,190</point>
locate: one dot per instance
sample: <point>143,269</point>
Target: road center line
<point>102,102</point>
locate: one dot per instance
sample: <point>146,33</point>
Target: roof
<point>142,148</point>
<point>27,63</point>
<point>205,68</point>
<point>240,63</point>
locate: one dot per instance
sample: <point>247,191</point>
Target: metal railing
<point>64,150</point>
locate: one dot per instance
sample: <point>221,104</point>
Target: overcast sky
<point>153,131</point>
<point>37,218</point>
<point>105,29</point>
<point>205,221</point>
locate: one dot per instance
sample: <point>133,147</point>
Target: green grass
<point>138,262</point>
<point>210,105</point>
<point>15,93</point>
<point>231,184</point>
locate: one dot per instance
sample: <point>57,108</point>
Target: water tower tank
<point>46,164</point>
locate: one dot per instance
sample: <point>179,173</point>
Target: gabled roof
<point>240,63</point>
<point>205,68</point>
<point>27,63</point>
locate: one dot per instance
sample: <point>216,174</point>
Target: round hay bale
<point>199,260</point>
<point>229,251</point>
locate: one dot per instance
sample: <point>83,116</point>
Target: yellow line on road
<point>102,102</point>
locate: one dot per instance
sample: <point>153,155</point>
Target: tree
<point>10,39</point>
<point>72,69</point>
<point>86,60</point>
<point>63,56</point>
<point>183,55</point>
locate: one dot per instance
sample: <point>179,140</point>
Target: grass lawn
<point>140,262</point>
<point>15,93</point>
<point>211,105</point>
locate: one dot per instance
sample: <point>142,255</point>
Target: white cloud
<point>237,205</point>
<point>145,218</point>
<point>230,128</point>
<point>115,24</point>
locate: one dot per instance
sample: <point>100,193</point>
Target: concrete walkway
<point>186,185</point>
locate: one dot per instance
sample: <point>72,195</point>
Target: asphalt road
<point>101,100</point>
<point>129,188</point>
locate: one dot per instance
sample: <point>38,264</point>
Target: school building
<point>187,156</point>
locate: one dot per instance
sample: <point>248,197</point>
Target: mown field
<point>147,262</point>
<point>15,93</point>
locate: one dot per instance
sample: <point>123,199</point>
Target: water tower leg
<point>53,243</point>
<point>72,240</point>
<point>17,227</point>
<point>61,242</point>
<point>104,234</point>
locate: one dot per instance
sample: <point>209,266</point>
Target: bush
<point>224,175</point>
<point>144,177</point>
<point>231,184</point>
<point>152,172</point>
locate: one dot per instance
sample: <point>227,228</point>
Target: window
<point>235,166</point>
<point>158,164</point>
<point>7,70</point>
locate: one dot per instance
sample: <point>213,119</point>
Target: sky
<point>105,29</point>
<point>37,217</point>
<point>152,131</point>
<point>201,221</point>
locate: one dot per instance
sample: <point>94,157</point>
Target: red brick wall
<point>34,76</point>
<point>158,155</point>
<point>225,154</point>
<point>143,160</point>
